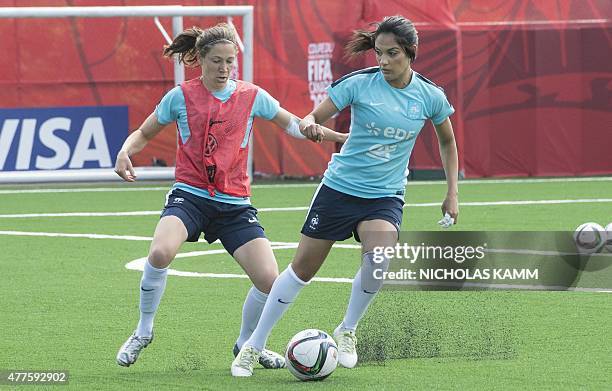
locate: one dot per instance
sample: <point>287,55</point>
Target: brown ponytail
<point>194,43</point>
<point>185,46</point>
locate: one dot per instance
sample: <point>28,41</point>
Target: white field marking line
<point>303,208</point>
<point>145,238</point>
<point>138,265</point>
<point>86,236</point>
<point>81,214</point>
<point>67,235</point>
<point>275,245</point>
<point>298,185</point>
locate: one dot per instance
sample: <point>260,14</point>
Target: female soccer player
<point>214,116</point>
<point>363,188</point>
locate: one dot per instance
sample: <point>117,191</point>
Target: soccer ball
<point>609,237</point>
<point>589,238</point>
<point>311,355</point>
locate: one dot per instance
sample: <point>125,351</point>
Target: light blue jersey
<point>385,122</point>
<point>172,109</point>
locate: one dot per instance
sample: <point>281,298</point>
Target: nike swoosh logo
<point>370,293</point>
<point>376,104</point>
<point>284,302</point>
<point>147,290</point>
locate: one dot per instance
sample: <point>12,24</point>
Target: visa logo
<point>39,139</point>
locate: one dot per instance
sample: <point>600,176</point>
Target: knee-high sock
<point>251,312</point>
<point>284,291</point>
<point>365,287</point>
<point>152,287</point>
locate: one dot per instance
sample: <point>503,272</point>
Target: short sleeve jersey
<point>385,122</point>
<point>172,109</point>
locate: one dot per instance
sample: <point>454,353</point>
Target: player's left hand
<point>450,207</point>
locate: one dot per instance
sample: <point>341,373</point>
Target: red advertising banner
<point>530,80</point>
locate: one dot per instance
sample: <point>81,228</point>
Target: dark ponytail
<point>361,42</point>
<point>403,29</point>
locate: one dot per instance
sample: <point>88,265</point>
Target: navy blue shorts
<point>334,215</point>
<point>234,225</point>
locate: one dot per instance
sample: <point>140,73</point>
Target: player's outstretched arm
<point>448,154</point>
<point>291,124</point>
<point>135,142</point>
<point>311,124</point>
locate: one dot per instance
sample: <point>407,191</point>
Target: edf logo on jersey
<point>398,134</point>
<point>60,138</point>
<point>383,151</point>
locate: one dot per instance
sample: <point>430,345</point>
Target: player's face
<point>392,59</point>
<point>217,65</point>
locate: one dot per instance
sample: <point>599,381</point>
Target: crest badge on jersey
<point>414,110</point>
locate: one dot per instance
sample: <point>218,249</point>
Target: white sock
<point>284,291</point>
<point>363,292</point>
<point>251,312</point>
<point>152,287</point>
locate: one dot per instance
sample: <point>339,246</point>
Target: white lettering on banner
<point>24,154</point>
<point>319,70</point>
<point>91,144</point>
<point>9,128</point>
<point>93,130</point>
<point>51,141</point>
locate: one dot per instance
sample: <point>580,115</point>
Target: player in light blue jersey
<point>362,190</point>
<point>214,116</point>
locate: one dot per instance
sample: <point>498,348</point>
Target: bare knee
<point>160,256</point>
<point>264,283</point>
<point>303,270</point>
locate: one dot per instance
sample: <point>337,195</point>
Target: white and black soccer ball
<point>608,243</point>
<point>311,355</point>
<point>589,238</point>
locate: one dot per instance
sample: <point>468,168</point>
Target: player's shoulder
<point>174,96</point>
<point>428,85</point>
<point>356,76</point>
<point>176,91</point>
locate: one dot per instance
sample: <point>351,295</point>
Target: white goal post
<point>177,12</point>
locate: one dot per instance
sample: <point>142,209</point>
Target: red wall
<point>532,98</point>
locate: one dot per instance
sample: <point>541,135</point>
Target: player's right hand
<point>124,168</point>
<point>313,132</point>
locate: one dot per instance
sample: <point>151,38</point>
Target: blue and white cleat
<point>243,364</point>
<point>268,359</point>
<point>129,351</point>
<point>347,350</point>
